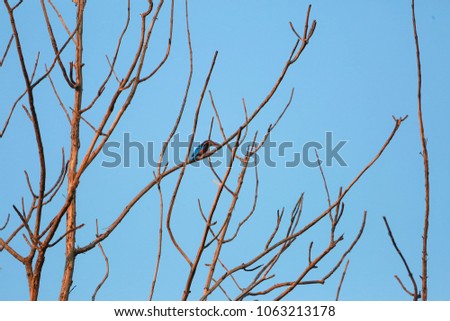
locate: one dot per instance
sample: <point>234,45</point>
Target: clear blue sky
<point>358,70</point>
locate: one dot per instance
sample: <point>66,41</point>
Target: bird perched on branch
<point>202,149</point>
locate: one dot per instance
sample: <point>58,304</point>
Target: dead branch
<point>186,92</point>
<point>415,294</point>
<point>426,167</point>
<point>62,237</point>
<point>342,280</point>
<point>55,45</point>
<point>19,99</point>
<point>282,242</point>
<point>201,247</point>
<point>112,65</point>
<point>183,169</point>
<point>25,224</point>
<point>325,184</point>
<point>169,43</point>
<point>277,225</point>
<point>32,278</point>
<point>106,263</point>
<point>265,269</point>
<point>6,50</point>
<point>50,194</point>
<point>61,103</point>
<point>61,19</point>
<point>160,240</point>
<point>252,210</point>
<point>6,223</point>
<point>227,221</point>
<point>403,286</point>
<point>11,251</point>
<point>321,256</point>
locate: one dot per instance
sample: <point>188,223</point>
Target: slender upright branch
<point>425,162</point>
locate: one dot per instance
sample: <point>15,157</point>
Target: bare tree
<point>41,235</point>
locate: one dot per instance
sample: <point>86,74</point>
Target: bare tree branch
<point>282,242</point>
<point>160,240</point>
<point>107,267</point>
<point>415,294</point>
<point>342,280</point>
<point>6,223</point>
<point>6,50</point>
<point>426,167</point>
<point>201,247</point>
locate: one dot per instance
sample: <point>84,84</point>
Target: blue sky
<point>358,70</point>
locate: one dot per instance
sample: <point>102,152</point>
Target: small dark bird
<point>202,149</point>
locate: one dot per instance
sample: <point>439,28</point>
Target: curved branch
<point>107,267</point>
<point>415,295</point>
<point>6,222</point>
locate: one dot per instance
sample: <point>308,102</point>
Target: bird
<point>202,149</point>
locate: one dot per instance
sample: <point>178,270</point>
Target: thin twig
<point>25,223</point>
<point>160,240</point>
<point>6,222</point>
<point>6,50</point>
<point>88,123</point>
<point>411,277</point>
<point>2,132</point>
<point>325,184</point>
<point>64,235</point>
<point>59,181</point>
<point>277,226</point>
<point>342,280</point>
<point>55,45</point>
<point>255,201</point>
<point>225,292</point>
<point>107,266</point>
<point>61,19</point>
<point>169,45</point>
<point>112,69</point>
<point>232,276</point>
<point>310,252</point>
<point>403,286</point>
<point>29,184</point>
<point>61,103</point>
